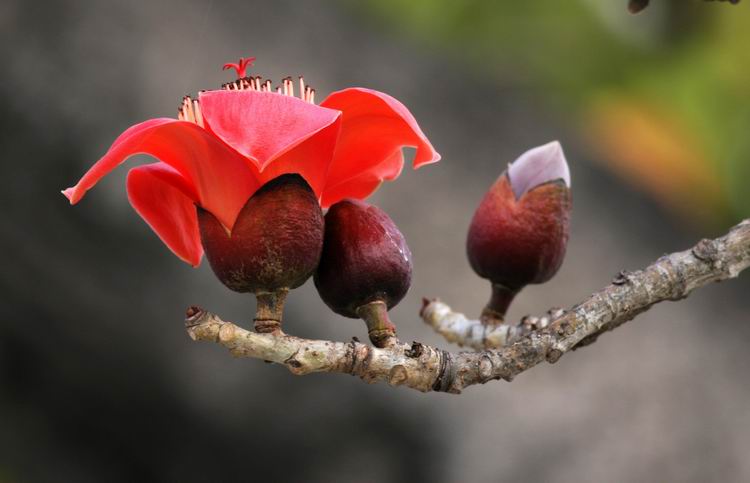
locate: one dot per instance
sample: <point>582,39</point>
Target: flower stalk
<point>380,329</point>
<point>495,310</point>
<point>269,311</point>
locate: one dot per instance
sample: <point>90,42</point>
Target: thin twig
<point>455,327</point>
<point>426,368</point>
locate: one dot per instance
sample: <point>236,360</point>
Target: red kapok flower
<point>229,142</point>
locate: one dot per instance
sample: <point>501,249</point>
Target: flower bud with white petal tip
<point>519,232</point>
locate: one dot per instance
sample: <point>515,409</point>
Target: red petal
<point>374,126</point>
<point>262,126</point>
<point>162,197</point>
<point>311,159</point>
<point>218,178</point>
<point>362,186</point>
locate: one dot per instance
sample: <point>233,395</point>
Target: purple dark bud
<point>365,259</point>
<point>365,268</point>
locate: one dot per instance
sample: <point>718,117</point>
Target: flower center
<point>190,109</point>
<point>286,88</point>
<point>241,66</point>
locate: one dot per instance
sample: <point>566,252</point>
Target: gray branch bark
<point>533,341</point>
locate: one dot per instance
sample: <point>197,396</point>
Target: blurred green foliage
<point>662,97</point>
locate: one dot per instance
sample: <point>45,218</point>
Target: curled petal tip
<point>68,193</point>
<point>537,166</point>
<point>433,159</point>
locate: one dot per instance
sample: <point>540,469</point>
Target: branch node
<point>398,375</point>
<point>554,355</point>
<point>416,350</point>
<point>446,374</point>
<point>706,251</point>
<point>556,312</point>
<point>486,368</point>
<point>226,333</point>
<point>360,355</point>
<point>622,278</point>
<point>266,326</point>
<point>292,363</point>
<point>195,316</point>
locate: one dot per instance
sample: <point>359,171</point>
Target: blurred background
<point>99,382</point>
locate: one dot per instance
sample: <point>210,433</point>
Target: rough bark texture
<point>426,368</point>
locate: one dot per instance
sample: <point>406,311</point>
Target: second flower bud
<point>365,268</point>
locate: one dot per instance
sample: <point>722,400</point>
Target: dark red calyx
<point>365,259</point>
<point>519,232</point>
<point>275,243</point>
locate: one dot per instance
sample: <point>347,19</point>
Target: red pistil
<point>241,67</point>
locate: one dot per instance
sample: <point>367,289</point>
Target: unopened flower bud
<point>274,245</point>
<point>519,231</point>
<point>366,266</point>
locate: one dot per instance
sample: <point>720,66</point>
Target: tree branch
<point>426,368</point>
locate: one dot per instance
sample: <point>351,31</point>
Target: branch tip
<point>192,311</point>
